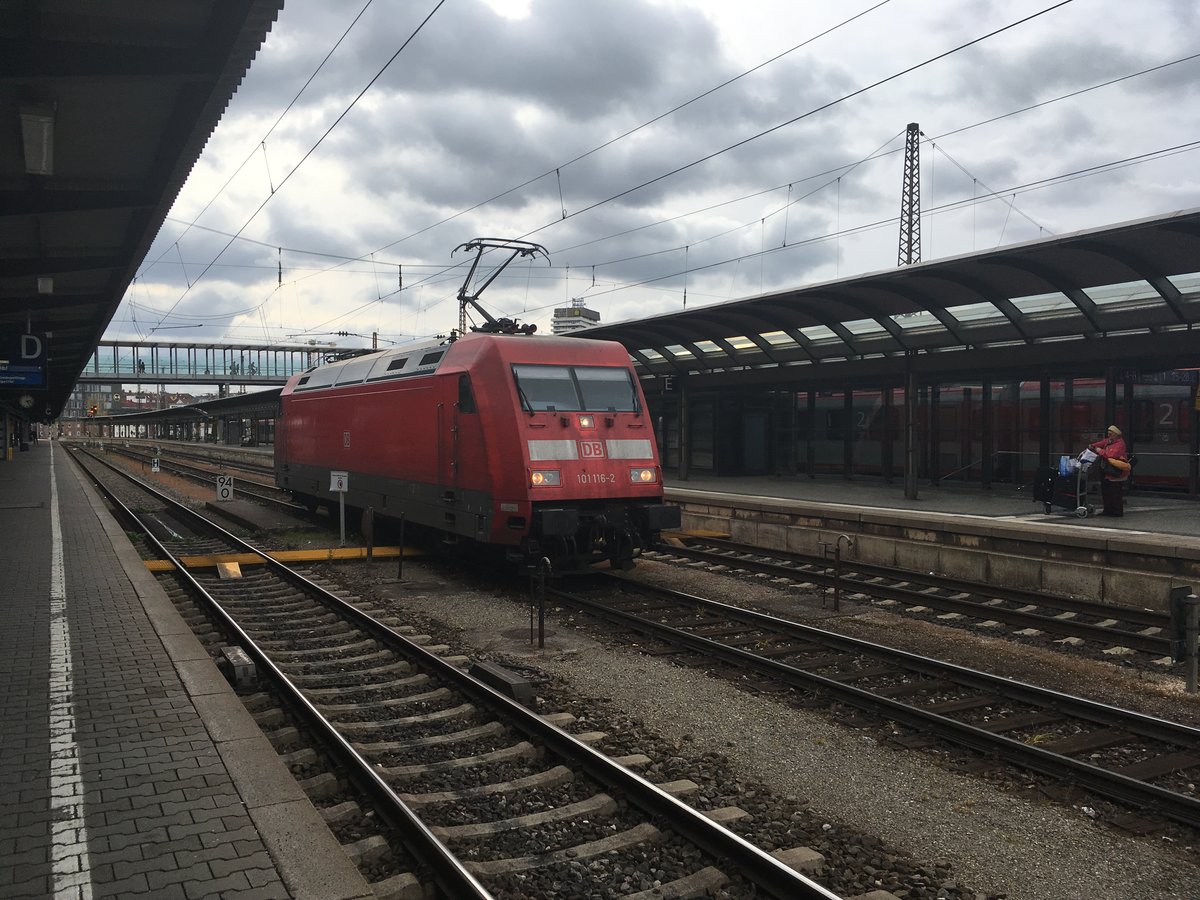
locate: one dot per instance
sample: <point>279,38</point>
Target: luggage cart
<point>1074,492</point>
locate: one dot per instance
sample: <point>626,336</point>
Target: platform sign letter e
<point>591,449</point>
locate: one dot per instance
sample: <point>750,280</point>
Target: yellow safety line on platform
<point>286,556</point>
<point>695,533</point>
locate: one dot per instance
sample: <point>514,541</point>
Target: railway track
<point>1107,630</point>
<point>1147,764</point>
<point>208,470</point>
<point>458,785</point>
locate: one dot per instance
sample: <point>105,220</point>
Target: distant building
<point>573,317</point>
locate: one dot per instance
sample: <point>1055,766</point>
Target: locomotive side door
<point>466,466</point>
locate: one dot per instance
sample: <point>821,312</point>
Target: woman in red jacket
<point>1112,449</point>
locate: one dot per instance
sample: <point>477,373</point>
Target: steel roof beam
<point>751,324</point>
<point>31,203</point>
<point>656,339</point>
<point>31,59</point>
<point>1058,281</point>
<point>868,311</point>
<point>1138,265</point>
<point>1007,308</point>
<point>926,303</point>
<point>809,310</point>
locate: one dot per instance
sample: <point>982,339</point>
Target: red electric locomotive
<point>539,445</point>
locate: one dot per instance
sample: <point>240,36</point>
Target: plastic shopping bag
<point>1087,456</point>
<point>1064,466</point>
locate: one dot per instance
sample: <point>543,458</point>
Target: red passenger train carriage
<point>539,445</point>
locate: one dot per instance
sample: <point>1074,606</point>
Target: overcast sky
<point>540,120</point>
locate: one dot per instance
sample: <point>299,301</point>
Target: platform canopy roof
<point>1121,295</point>
<point>104,109</point>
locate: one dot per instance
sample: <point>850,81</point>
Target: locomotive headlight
<point>642,476</point>
<point>587,422</point>
<point>545,478</point>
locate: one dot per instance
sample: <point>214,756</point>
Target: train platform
<point>1000,536</point>
<point>1145,512</point>
<point>130,768</point>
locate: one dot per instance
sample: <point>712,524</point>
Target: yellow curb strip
<point>285,556</point>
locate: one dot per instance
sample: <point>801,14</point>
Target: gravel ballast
<point>999,842</point>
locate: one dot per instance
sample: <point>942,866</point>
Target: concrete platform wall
<point>1135,570</point>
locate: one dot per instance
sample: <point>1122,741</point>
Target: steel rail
<point>448,871</point>
<point>207,476</point>
<point>1111,784</point>
<point>1144,617</point>
<point>1150,644</point>
<point>758,866</point>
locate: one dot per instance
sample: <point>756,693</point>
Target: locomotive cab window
<point>606,389</point>
<point>575,389</point>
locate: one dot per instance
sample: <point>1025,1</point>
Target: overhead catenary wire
<point>274,125</point>
<point>401,286</point>
<point>314,147</point>
<point>805,115</point>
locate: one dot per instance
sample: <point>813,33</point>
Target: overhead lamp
<point>37,137</point>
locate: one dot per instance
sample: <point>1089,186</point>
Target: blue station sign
<point>22,360</point>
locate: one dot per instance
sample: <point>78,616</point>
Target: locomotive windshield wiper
<point>525,404</point>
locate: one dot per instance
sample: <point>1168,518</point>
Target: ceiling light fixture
<point>37,137</point>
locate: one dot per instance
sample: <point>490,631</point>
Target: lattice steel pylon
<point>910,199</point>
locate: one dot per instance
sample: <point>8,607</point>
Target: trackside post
<point>339,483</point>
<point>539,577</point>
<point>1185,632</point>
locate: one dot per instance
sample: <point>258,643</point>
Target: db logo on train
<point>591,449</point>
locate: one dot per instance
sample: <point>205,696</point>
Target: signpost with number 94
<point>224,488</point>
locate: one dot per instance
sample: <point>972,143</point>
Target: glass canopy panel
<point>650,353</point>
<point>1186,284</point>
<point>740,342</point>
<point>709,347</point>
<point>678,351</point>
<point>922,319</point>
<point>1044,303</point>
<point>817,333</point>
<point>777,339</point>
<point>863,326</point>
<point>976,312</point>
<point>1110,294</point>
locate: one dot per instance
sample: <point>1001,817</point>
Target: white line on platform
<point>70,863</point>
